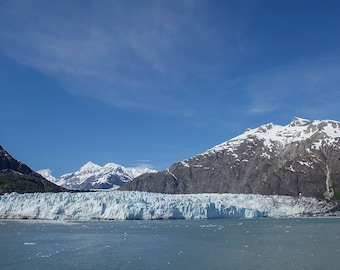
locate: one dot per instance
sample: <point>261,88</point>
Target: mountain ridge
<point>299,158</point>
<point>17,176</point>
<point>92,176</point>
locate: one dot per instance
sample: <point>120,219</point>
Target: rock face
<point>300,158</point>
<point>15,176</point>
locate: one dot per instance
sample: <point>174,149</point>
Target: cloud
<point>307,87</point>
<point>145,164</point>
<point>129,54</point>
<point>170,56</point>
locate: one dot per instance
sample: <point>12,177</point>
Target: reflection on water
<point>171,244</point>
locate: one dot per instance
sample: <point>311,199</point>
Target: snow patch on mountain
<point>123,205</point>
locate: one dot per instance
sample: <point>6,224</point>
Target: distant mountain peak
<point>89,167</point>
<point>297,121</point>
<point>93,176</point>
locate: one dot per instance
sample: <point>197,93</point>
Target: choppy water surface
<point>312,243</point>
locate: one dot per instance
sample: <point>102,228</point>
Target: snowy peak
<point>89,167</point>
<point>299,122</point>
<point>93,176</point>
<point>298,130</point>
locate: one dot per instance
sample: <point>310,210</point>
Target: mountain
<point>15,176</point>
<point>302,157</point>
<point>93,176</point>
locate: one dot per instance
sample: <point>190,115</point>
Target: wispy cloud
<point>129,54</point>
<point>158,55</point>
<point>145,163</point>
<point>308,87</point>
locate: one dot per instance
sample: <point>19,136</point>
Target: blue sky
<point>154,82</point>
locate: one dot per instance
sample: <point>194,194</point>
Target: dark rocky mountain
<point>302,157</point>
<point>15,176</point>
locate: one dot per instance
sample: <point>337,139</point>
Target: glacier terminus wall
<point>125,205</point>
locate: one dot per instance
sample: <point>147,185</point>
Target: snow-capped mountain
<point>274,136</point>
<point>301,157</point>
<point>93,176</point>
<point>116,205</point>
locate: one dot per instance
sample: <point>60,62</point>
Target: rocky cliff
<point>15,176</point>
<point>302,157</point>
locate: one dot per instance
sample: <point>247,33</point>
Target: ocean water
<point>305,243</point>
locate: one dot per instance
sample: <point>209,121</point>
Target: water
<point>312,243</point>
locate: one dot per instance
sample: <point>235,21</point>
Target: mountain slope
<point>93,176</point>
<point>15,176</point>
<point>301,157</point>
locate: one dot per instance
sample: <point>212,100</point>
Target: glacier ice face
<point>124,205</point>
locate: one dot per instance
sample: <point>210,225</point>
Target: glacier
<point>130,205</point>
